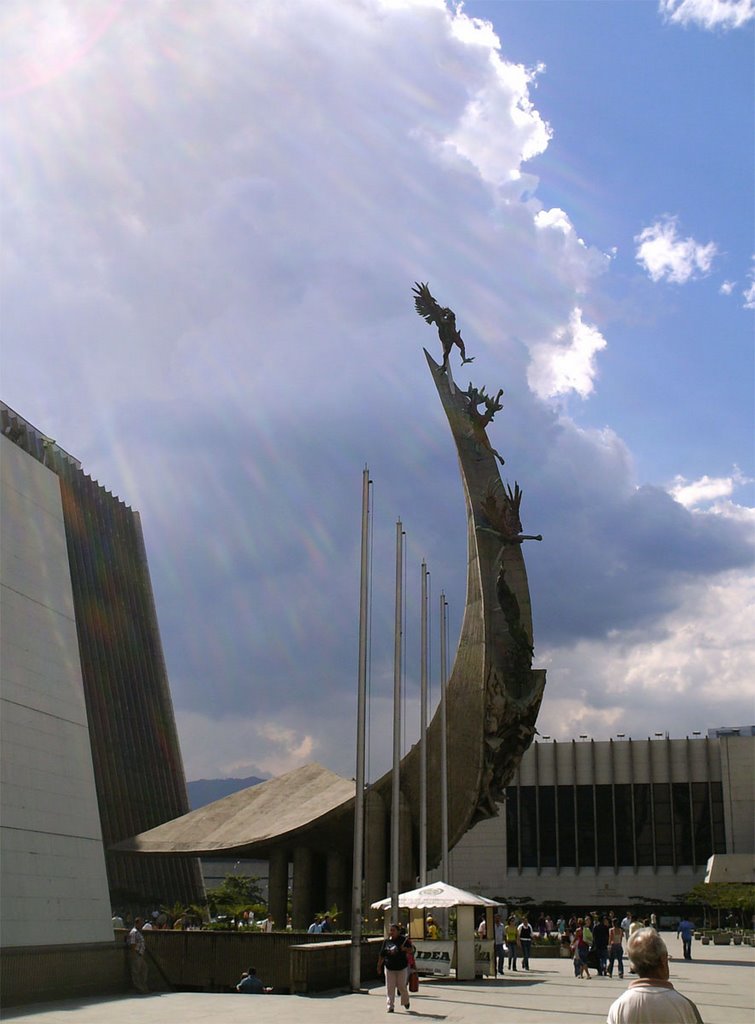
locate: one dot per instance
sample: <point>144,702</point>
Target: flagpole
<point>396,790</point>
<point>443,742</point>
<point>423,735</point>
<point>358,858</point>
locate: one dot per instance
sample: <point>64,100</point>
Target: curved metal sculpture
<point>493,697</point>
<point>493,694</point>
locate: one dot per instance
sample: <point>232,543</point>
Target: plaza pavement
<point>721,981</point>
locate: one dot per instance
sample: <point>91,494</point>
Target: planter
<point>737,940</point>
<point>564,952</point>
<point>722,939</point>
<point>705,940</point>
<point>544,951</point>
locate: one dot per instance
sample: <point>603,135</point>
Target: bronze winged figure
<point>443,317</point>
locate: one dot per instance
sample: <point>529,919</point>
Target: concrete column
<point>375,877</point>
<point>407,861</point>
<point>277,897</point>
<point>465,943</point>
<point>335,885</point>
<point>303,906</point>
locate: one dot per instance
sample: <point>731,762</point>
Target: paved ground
<point>721,982</point>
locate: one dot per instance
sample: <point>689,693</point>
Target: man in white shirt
<point>136,956</point>
<point>651,999</point>
<point>498,941</point>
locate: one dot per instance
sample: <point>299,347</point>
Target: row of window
<point>658,824</point>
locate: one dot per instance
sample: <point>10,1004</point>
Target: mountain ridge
<point>205,791</point>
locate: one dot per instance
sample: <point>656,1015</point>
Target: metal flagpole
<point>357,870</point>
<point>443,742</point>
<point>396,792</point>
<point>423,735</point>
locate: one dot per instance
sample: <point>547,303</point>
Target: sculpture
<point>480,421</point>
<point>444,318</point>
<point>493,692</point>
<point>504,516</point>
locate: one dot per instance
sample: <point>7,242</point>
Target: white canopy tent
<point>437,894</point>
<point>468,953</point>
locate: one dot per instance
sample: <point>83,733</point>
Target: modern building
<point>89,746</point>
<point>613,823</point>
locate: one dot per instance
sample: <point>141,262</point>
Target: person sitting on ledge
<point>651,999</point>
<point>251,984</point>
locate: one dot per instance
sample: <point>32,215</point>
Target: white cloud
<point>749,293</point>
<point>694,669</point>
<point>710,14</point>
<point>500,127</point>
<point>706,489</point>
<point>714,496</point>
<point>238,746</point>
<point>665,256</point>
<point>566,362</point>
<point>727,287</point>
<point>210,247</point>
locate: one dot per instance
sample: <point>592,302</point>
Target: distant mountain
<point>204,791</point>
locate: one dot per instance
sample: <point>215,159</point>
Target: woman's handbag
<point>413,979</point>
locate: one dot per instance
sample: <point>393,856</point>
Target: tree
<point>235,894</point>
<point>731,896</point>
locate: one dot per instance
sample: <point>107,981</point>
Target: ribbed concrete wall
<point>135,753</point>
<point>52,864</point>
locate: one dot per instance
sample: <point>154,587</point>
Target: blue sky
<point>213,215</point>
<point>651,119</point>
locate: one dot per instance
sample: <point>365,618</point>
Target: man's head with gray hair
<point>648,953</point>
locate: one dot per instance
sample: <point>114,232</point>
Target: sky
<point>213,214</point>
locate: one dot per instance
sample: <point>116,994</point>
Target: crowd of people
<point>595,940</point>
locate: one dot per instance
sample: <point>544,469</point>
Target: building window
<point>512,827</point>
<point>527,806</point>
<point>604,806</point>
<point>567,841</point>
<point>701,822</point>
<point>585,826</point>
<point>624,842</point>
<point>682,822</point>
<point>547,800</point>
<point>643,824</point>
<point>664,849</point>
<point>528,825</point>
<point>719,833</point>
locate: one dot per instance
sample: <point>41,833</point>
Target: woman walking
<point>580,950</point>
<point>525,941</point>
<point>392,956</point>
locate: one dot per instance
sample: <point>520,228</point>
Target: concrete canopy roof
<point>252,820</point>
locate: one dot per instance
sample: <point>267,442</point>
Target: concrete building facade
<point>89,745</point>
<point>51,851</point>
<point>609,823</point>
